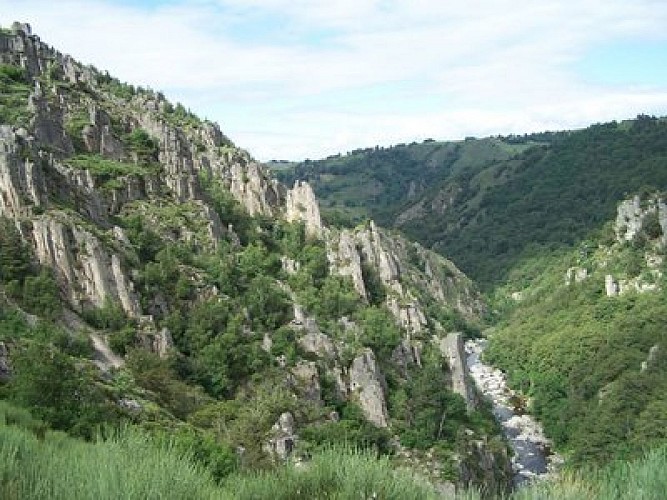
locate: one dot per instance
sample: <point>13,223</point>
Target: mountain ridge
<point>496,200</point>
<point>221,289</point>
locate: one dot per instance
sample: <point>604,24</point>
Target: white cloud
<point>499,66</point>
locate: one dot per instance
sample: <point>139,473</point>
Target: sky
<point>297,79</point>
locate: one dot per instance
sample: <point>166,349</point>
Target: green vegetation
<point>14,91</point>
<point>489,204</point>
<point>578,353</point>
<point>143,146</point>
<point>38,463</point>
<point>74,125</point>
<point>107,172</point>
<point>31,285</point>
<point>126,465</point>
<point>179,116</point>
<point>115,87</point>
<point>195,421</point>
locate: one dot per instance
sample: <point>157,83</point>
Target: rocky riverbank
<point>533,458</point>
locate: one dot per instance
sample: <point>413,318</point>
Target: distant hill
<point>489,203</point>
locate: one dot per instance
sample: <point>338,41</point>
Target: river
<point>533,458</point>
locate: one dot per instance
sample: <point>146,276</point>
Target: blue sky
<point>294,79</point>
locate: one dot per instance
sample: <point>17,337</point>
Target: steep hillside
<point>153,273</point>
<point>490,203</point>
<point>584,337</point>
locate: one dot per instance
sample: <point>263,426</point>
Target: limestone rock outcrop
<point>88,274</point>
<point>283,438</point>
<point>98,135</point>
<point>407,354</point>
<point>575,275</point>
<point>22,183</point>
<point>368,386</point>
<point>452,348</point>
<point>633,214</point>
<point>651,358</point>
<point>5,369</point>
<point>259,194</point>
<point>400,266</point>
<point>301,205</point>
<point>345,259</point>
<point>482,463</point>
<point>47,123</point>
<point>307,381</point>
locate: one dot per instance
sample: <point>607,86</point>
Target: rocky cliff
<point>144,212</point>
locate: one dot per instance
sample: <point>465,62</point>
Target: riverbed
<point>533,458</point>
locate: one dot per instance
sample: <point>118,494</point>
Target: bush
<point>143,145</point>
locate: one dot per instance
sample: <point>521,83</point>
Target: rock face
<point>651,358</point>
<point>483,463</point>
<point>407,354</point>
<point>345,259</point>
<point>5,370</point>
<point>367,384</point>
<point>400,266</point>
<point>301,205</point>
<point>307,381</point>
<point>259,194</point>
<point>47,123</point>
<point>632,216</point>
<point>284,438</point>
<point>22,184</point>
<point>88,273</point>
<point>98,135</point>
<point>629,219</point>
<point>610,286</point>
<point>453,350</point>
<point>318,343</point>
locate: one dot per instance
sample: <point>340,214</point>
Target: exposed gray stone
<point>307,381</point>
<point>5,369</point>
<point>575,275</point>
<point>98,136</point>
<point>367,384</point>
<point>651,358</point>
<point>318,343</point>
<point>284,438</point>
<point>290,266</point>
<point>85,270</point>
<point>407,353</point>
<point>345,260</point>
<point>163,343</point>
<point>22,182</point>
<point>301,205</point>
<point>611,286</point>
<point>47,123</point>
<point>453,349</point>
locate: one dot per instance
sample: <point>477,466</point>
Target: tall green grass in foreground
<point>127,465</point>
<point>337,473</point>
<point>39,464</point>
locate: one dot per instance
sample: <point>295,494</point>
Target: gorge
<point>172,308</point>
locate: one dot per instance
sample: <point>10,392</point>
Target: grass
<point>14,92</point>
<point>129,464</point>
<point>337,473</point>
<point>107,172</point>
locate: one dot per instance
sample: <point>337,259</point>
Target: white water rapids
<point>533,458</point>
